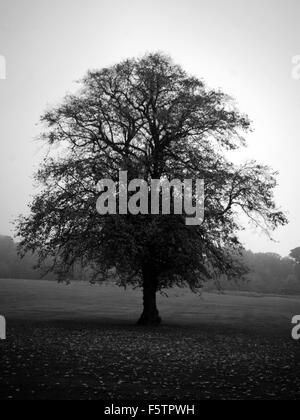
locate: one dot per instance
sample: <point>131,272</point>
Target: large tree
<point>148,117</point>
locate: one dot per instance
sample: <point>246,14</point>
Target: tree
<point>295,255</point>
<point>150,118</point>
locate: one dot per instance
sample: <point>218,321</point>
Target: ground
<point>80,342</point>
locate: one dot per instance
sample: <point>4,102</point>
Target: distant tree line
<point>268,272</point>
<point>12,266</point>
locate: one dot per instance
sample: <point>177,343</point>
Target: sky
<point>245,48</point>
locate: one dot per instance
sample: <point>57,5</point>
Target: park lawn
<point>80,342</point>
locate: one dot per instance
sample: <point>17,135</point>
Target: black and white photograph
<point>149,203</point>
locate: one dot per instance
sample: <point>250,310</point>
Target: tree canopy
<point>150,118</point>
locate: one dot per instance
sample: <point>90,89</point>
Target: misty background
<point>245,48</point>
<point>268,272</point>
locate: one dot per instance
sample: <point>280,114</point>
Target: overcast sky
<point>244,47</point>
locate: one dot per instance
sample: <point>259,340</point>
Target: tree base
<point>150,320</point>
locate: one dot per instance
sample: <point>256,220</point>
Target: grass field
<point>80,341</point>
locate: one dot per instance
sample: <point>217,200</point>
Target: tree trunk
<point>150,315</point>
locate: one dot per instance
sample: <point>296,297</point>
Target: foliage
<point>148,117</point>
